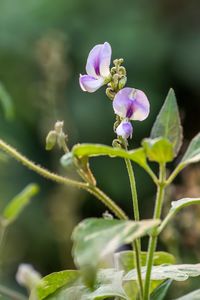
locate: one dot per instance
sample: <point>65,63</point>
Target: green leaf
<point>159,150</point>
<point>68,285</point>
<point>91,150</point>
<point>176,206</point>
<point>192,154</point>
<point>162,272</point>
<point>179,204</point>
<point>97,238</point>
<point>6,102</point>
<point>168,124</point>
<point>125,260</point>
<point>195,295</point>
<point>51,283</point>
<point>18,203</point>
<point>160,292</point>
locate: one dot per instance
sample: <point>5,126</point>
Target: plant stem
<point>153,239</point>
<point>12,295</point>
<point>136,243</point>
<point>63,180</point>
<point>38,169</point>
<point>108,202</point>
<point>176,171</point>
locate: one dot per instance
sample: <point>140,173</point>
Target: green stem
<point>136,243</point>
<point>133,189</point>
<point>38,169</point>
<point>176,171</point>
<point>108,202</point>
<point>63,180</point>
<point>165,221</point>
<point>154,234</point>
<point>12,295</point>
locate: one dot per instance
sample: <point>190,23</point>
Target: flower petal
<point>89,83</point>
<point>132,104</point>
<point>122,104</point>
<point>125,130</point>
<point>105,58</point>
<point>141,106</point>
<point>93,61</point>
<point>98,62</point>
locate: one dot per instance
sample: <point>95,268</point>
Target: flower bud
<point>110,93</point>
<point>27,276</point>
<point>59,126</point>
<point>122,82</point>
<point>51,140</point>
<point>67,160</point>
<point>125,130</point>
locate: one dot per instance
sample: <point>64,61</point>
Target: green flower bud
<point>110,93</point>
<point>51,140</point>
<point>122,82</point>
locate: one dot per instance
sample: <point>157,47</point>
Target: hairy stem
<point>63,180</point>
<point>136,243</point>
<point>154,234</point>
<point>38,169</point>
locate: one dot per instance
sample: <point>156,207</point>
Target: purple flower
<point>125,130</point>
<point>97,68</point>
<point>131,104</point>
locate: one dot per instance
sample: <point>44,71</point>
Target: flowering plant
<point>103,272</point>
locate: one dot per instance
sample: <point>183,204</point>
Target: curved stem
<point>108,202</point>
<point>38,169</point>
<point>136,243</point>
<point>154,234</point>
<point>63,180</point>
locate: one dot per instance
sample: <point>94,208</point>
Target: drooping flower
<point>125,130</point>
<point>97,68</point>
<point>132,104</point>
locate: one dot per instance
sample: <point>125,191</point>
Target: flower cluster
<point>128,103</point>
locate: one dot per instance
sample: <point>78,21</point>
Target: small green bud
<point>113,70</point>
<point>115,81</point>
<point>122,82</point>
<point>51,140</point>
<point>122,71</point>
<point>110,93</point>
<point>57,136</point>
<point>116,143</point>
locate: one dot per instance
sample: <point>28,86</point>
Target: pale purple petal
<point>93,61</point>
<point>89,83</point>
<point>125,130</point>
<point>98,62</point>
<point>122,105</point>
<point>105,58</point>
<point>141,106</point>
<point>132,104</point>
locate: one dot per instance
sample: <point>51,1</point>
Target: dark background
<point>43,48</point>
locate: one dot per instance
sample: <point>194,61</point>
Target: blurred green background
<point>43,48</point>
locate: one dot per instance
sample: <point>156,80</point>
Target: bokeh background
<point>43,48</point>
